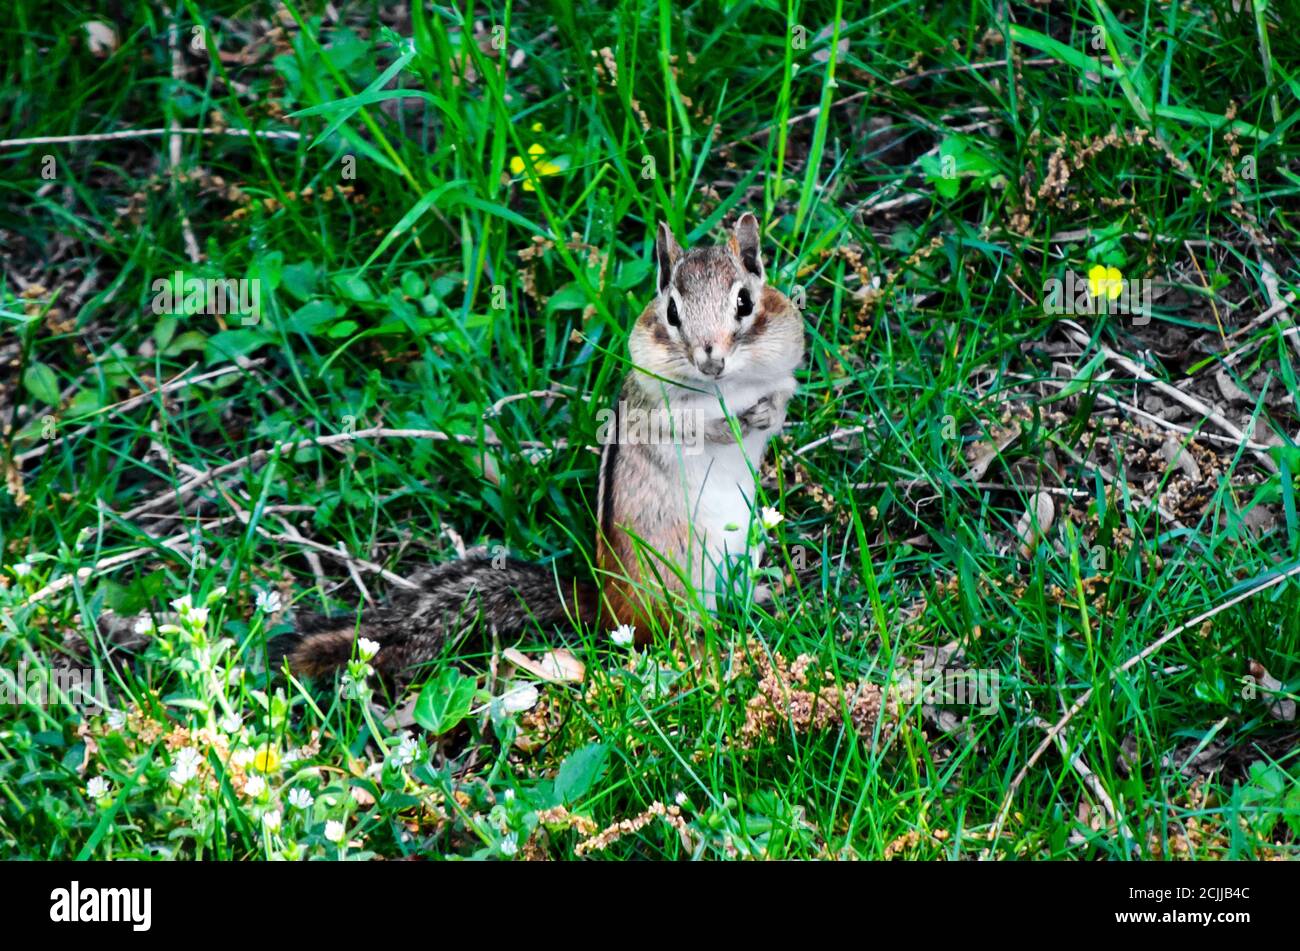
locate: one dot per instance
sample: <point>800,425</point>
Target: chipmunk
<point>713,358</point>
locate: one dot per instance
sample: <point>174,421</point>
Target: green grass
<point>400,298</point>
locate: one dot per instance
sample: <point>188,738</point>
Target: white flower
<point>116,719</point>
<point>510,794</point>
<point>196,617</point>
<point>22,569</point>
<point>187,765</point>
<point>300,798</point>
<point>771,517</point>
<point>510,844</point>
<point>144,624</point>
<point>334,831</point>
<point>367,649</point>
<point>375,770</point>
<point>230,723</point>
<point>404,755</point>
<point>624,634</point>
<point>681,799</point>
<point>268,602</point>
<point>272,820</point>
<point>254,786</point>
<point>97,788</point>
<point>243,756</point>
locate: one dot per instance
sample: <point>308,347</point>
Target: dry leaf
<point>488,468</point>
<point>91,744</point>
<point>981,455</point>
<point>555,667</point>
<point>1036,521</point>
<point>402,717</point>
<point>564,667</point>
<point>1283,709</point>
<point>1228,388</point>
<point>1175,454</point>
<point>1260,520</point>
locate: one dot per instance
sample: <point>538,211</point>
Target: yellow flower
<point>541,166</point>
<point>265,760</point>
<point>1105,280</point>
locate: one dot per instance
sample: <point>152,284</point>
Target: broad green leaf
<point>569,297</point>
<point>300,279</point>
<point>190,340</point>
<point>412,284</point>
<point>164,331</point>
<point>354,287</point>
<point>42,383</point>
<point>444,701</point>
<point>310,317</point>
<point>579,772</point>
<point>269,267</point>
<point>230,344</point>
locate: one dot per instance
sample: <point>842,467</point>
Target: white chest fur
<point>719,482</point>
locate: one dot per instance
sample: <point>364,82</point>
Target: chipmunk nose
<point>707,363</point>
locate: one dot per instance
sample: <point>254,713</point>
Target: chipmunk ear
<point>746,243</point>
<point>667,251</point>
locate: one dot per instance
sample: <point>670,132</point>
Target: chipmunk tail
<point>450,602</point>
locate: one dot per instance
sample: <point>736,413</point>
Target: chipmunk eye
<point>673,319</point>
<point>744,305</point>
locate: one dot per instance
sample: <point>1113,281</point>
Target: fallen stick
<point>144,134</point>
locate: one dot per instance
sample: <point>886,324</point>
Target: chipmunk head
<point>714,319</point>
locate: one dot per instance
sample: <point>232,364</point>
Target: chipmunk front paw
<point>762,415</point>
